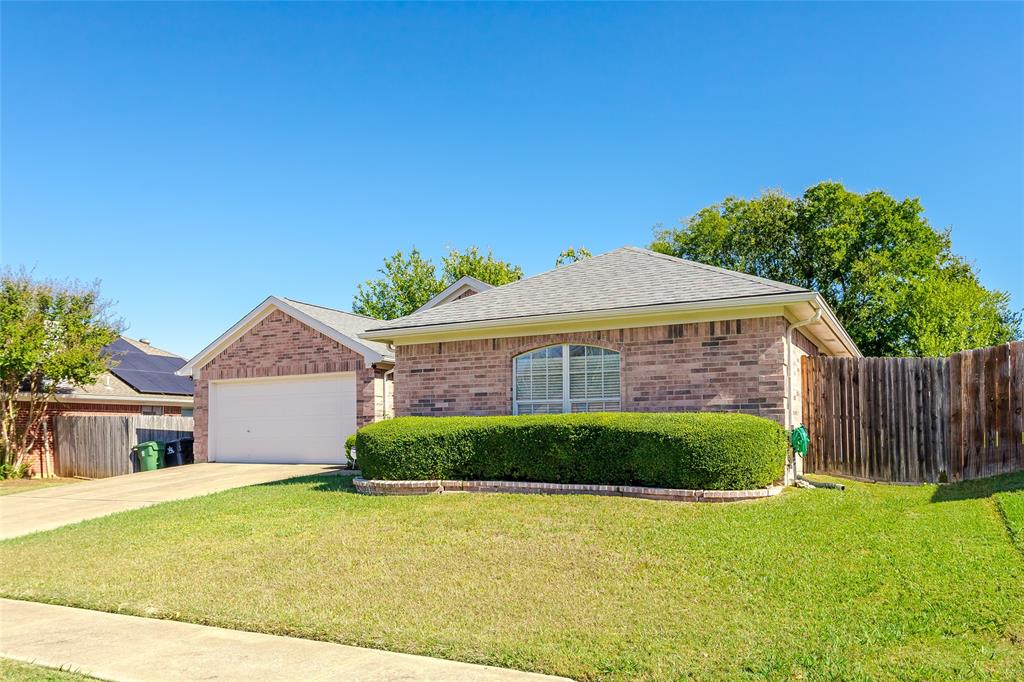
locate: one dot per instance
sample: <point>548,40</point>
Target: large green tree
<point>407,282</point>
<point>485,267</point>
<point>51,334</point>
<point>572,255</point>
<point>892,278</point>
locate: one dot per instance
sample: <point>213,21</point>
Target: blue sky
<point>198,157</point>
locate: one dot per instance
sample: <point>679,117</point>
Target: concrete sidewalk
<point>47,508</point>
<point>126,648</point>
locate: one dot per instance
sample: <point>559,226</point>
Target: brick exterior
<point>280,345</point>
<point>726,366</point>
<point>802,347</point>
<point>42,458</point>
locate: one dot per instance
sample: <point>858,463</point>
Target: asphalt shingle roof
<point>625,278</point>
<point>349,324</point>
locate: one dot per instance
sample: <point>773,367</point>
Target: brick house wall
<point>42,458</point>
<point>802,347</point>
<point>280,345</point>
<point>726,366</point>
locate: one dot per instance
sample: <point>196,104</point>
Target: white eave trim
<point>384,335</point>
<point>466,281</point>
<point>261,311</point>
<point>616,314</point>
<point>837,328</point>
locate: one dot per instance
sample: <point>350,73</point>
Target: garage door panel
<point>282,407</point>
<point>287,419</point>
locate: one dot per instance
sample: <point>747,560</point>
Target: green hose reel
<point>799,440</point>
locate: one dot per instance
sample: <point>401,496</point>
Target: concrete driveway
<point>47,508</point>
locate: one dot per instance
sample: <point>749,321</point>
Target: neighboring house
<point>288,383</point>
<point>629,330</point>
<point>141,380</point>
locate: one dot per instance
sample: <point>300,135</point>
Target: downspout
<point>789,377</point>
<point>390,372</point>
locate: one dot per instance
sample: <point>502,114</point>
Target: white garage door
<point>283,419</point>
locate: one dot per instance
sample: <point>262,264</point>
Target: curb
<point>432,487</point>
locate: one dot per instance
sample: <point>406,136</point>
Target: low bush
<point>712,451</point>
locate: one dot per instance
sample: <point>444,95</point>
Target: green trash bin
<point>150,455</point>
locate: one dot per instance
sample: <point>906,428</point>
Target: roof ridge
<point>522,280</point>
<point>336,310</point>
<point>713,268</point>
<point>132,342</point>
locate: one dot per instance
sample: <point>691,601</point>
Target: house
<point>627,330</point>
<point>288,383</point>
<point>141,380</point>
<point>630,330</point>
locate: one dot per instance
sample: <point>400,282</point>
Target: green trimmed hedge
<point>710,451</point>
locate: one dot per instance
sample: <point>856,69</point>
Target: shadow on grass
<point>982,487</point>
<point>327,483</point>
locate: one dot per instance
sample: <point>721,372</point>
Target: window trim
<point>566,400</point>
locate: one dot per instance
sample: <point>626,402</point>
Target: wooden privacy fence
<point>98,447</point>
<point>916,419</point>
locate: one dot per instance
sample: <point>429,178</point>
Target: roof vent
<point>144,341</point>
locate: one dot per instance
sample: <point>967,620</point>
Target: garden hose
<point>799,440</point>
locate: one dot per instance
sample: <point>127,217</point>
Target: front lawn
<point>9,486</point>
<point>874,582</point>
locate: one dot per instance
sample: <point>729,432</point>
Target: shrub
<point>350,453</point>
<point>713,451</point>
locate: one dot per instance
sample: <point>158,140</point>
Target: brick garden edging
<point>376,487</point>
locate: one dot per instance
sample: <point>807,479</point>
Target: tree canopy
<point>892,278</point>
<point>572,255</point>
<point>51,334</point>
<point>407,282</point>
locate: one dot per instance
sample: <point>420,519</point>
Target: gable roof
<point>628,277</point>
<point>147,370</point>
<point>120,384</point>
<point>629,286</point>
<point>349,324</point>
<point>456,289</point>
<point>339,325</point>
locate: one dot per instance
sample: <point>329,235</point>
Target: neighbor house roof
<point>146,377</point>
<point>627,281</point>
<point>339,325</point>
<point>464,285</point>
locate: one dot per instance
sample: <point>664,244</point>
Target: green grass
<point>1011,504</point>
<point>874,582</point>
<point>9,486</point>
<point>16,671</point>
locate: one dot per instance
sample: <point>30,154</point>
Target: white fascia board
<point>387,335</point>
<point>371,356</point>
<point>837,328</point>
<point>258,313</point>
<point>467,281</point>
<point>227,338</point>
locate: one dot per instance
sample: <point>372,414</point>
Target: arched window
<point>566,378</point>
